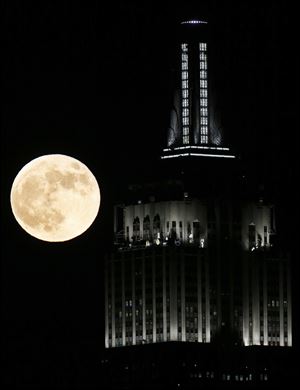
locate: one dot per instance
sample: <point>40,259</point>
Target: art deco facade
<point>194,129</point>
<point>188,268</point>
<point>185,269</point>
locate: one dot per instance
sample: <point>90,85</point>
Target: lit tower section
<point>194,129</point>
<point>185,94</point>
<point>203,93</point>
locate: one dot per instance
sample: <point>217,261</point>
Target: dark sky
<point>94,82</point>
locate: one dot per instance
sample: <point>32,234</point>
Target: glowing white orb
<point>55,198</point>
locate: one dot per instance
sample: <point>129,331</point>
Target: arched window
<point>146,228</point>
<point>156,226</point>
<point>136,228</point>
<point>252,236</point>
<point>196,231</point>
<point>189,233</point>
<point>173,234</point>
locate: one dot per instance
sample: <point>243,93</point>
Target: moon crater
<point>55,198</point>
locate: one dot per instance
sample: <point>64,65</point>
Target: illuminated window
<point>184,66</point>
<point>203,83</point>
<point>184,56</point>
<point>185,102</point>
<point>185,140</point>
<point>184,75</point>
<point>185,130</point>
<point>184,84</point>
<point>203,93</point>
<point>204,130</point>
<point>185,92</point>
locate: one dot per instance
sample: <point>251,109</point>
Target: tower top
<point>194,128</point>
<point>193,22</point>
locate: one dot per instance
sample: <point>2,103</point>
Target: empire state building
<point>194,129</point>
<point>194,261</point>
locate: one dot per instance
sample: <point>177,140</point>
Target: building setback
<point>196,260</point>
<point>182,272</point>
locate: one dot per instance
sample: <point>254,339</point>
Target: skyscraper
<point>188,267</point>
<point>194,129</point>
<point>196,261</point>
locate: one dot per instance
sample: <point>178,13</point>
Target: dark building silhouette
<point>196,270</point>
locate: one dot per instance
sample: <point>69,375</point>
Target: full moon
<point>55,198</point>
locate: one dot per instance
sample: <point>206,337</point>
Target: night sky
<point>94,82</point>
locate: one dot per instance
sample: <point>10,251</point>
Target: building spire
<point>193,129</point>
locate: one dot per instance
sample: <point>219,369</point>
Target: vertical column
<point>106,304</point>
<point>143,298</point>
<point>123,303</point>
<point>231,266</point>
<point>185,94</point>
<point>218,263</point>
<point>203,93</point>
<point>183,330</point>
<point>281,308</point>
<point>289,304</point>
<point>133,300</point>
<point>113,314</point>
<point>207,302</point>
<point>173,297</point>
<point>154,297</point>
<point>164,298</point>
<point>199,297</point>
<point>255,304</point>
<point>115,220</point>
<point>265,304</point>
<point>245,302</point>
<point>231,289</point>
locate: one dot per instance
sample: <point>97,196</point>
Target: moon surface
<point>55,198</point>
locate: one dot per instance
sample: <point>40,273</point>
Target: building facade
<point>185,269</point>
<point>193,268</point>
<point>194,128</point>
